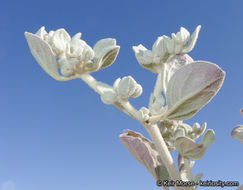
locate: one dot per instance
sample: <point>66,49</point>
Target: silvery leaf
<point>237,132</point>
<point>193,40</point>
<point>60,41</point>
<point>106,52</point>
<point>188,148</point>
<point>173,64</point>
<point>159,50</point>
<point>182,36</point>
<point>145,58</point>
<point>44,56</point>
<point>192,87</point>
<point>143,150</point>
<point>208,138</point>
<point>41,32</point>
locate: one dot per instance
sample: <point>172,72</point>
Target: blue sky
<point>59,136</point>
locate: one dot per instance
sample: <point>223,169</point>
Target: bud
<point>44,55</point>
<point>127,87</point>
<point>164,47</point>
<point>59,42</point>
<point>109,96</point>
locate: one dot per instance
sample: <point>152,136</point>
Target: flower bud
<point>60,41</point>
<point>127,87</point>
<point>179,133</point>
<point>109,97</point>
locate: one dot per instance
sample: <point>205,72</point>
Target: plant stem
<point>133,112</point>
<point>152,128</point>
<point>158,85</point>
<point>91,81</point>
<point>98,87</point>
<point>188,168</point>
<point>156,118</point>
<point>164,153</point>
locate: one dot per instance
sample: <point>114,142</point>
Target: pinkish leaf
<point>192,87</point>
<point>143,150</point>
<point>189,148</point>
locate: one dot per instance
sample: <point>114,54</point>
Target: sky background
<point>60,136</point>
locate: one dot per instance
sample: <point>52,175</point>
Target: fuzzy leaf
<point>173,64</point>
<point>143,150</point>
<point>208,138</point>
<point>192,87</point>
<point>60,41</point>
<point>106,52</point>
<point>145,59</point>
<point>44,56</point>
<point>188,148</point>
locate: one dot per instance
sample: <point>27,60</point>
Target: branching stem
<point>152,128</point>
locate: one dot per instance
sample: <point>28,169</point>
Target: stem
<point>159,117</point>
<point>164,153</point>
<point>188,168</point>
<point>91,81</point>
<point>133,112</point>
<point>157,93</point>
<point>152,129</point>
<point>158,85</point>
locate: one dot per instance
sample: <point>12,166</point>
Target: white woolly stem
<point>97,86</point>
<point>158,85</point>
<point>164,153</point>
<point>130,109</point>
<point>91,81</point>
<point>188,169</point>
<point>156,118</point>
<point>152,129</point>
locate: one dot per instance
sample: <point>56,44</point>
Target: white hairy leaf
<point>208,138</point>
<point>143,150</point>
<point>106,52</point>
<point>173,64</point>
<point>44,56</point>
<point>189,148</point>
<point>192,87</point>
